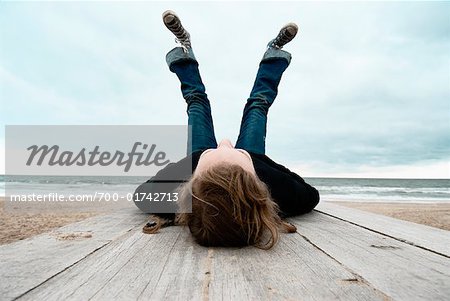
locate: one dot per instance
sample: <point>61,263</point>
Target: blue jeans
<point>252,134</point>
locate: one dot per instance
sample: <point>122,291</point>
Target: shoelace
<point>184,42</point>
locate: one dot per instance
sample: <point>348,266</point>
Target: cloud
<point>367,86</point>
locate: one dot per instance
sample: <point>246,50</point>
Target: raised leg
<point>252,134</point>
<point>185,66</point>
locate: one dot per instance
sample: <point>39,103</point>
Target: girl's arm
<point>290,191</point>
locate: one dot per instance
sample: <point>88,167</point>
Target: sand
<point>16,226</point>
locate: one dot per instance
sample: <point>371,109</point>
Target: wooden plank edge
<point>432,235</point>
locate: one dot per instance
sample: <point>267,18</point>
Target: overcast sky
<point>367,92</point>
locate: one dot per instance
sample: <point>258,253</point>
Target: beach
<point>16,226</point>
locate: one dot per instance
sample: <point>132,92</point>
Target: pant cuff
<point>177,54</point>
<point>272,53</point>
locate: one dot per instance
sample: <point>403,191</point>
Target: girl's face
<point>225,152</point>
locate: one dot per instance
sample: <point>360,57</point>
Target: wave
<point>329,188</point>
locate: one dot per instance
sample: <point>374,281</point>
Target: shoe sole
<point>173,23</point>
<point>292,26</point>
<point>168,18</point>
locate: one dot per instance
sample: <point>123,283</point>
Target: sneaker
<point>173,23</point>
<point>287,33</point>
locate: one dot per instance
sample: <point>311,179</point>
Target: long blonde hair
<point>231,207</point>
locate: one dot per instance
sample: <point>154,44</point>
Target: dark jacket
<point>292,194</point>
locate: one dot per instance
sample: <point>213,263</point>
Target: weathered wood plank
<point>26,264</point>
<point>400,270</point>
<point>430,238</point>
<point>138,266</point>
<point>293,270</point>
<point>184,274</point>
<point>329,259</point>
<point>170,266</point>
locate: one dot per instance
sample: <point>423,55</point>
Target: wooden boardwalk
<point>337,254</point>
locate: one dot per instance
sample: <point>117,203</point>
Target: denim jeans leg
<point>185,66</point>
<point>252,134</point>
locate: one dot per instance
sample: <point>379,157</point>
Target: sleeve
<point>166,181</point>
<point>290,191</point>
<point>158,185</point>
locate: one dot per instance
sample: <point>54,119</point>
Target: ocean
<point>333,189</point>
<point>383,190</point>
